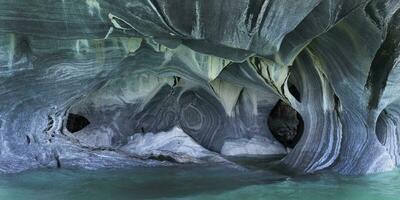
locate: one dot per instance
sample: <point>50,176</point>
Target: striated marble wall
<point>164,81</point>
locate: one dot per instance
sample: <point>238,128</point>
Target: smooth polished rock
<point>175,144</point>
<point>255,146</point>
<point>215,69</point>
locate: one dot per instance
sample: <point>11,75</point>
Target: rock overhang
<point>213,69</point>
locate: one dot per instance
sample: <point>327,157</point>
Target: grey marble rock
<point>105,83</point>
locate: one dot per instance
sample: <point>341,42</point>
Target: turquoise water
<point>194,182</point>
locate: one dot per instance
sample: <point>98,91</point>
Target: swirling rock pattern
<point>213,70</point>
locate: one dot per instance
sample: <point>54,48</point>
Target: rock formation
<point>105,83</point>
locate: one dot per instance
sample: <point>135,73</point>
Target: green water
<point>194,182</point>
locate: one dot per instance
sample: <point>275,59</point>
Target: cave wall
<point>203,73</point>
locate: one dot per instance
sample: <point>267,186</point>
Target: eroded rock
<point>147,77</point>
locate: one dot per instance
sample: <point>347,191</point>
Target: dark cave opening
<point>76,122</point>
<point>295,92</point>
<point>285,124</point>
<point>384,126</point>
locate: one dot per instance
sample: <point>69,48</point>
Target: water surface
<point>195,182</point>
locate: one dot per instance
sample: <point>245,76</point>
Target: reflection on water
<point>195,182</point>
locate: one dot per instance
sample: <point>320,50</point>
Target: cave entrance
<point>76,122</point>
<point>285,124</point>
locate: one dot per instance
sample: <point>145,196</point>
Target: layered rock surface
<point>104,83</point>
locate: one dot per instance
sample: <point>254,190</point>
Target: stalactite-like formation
<point>104,83</point>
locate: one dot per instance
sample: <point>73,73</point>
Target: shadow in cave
<point>285,124</point>
<point>76,122</point>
